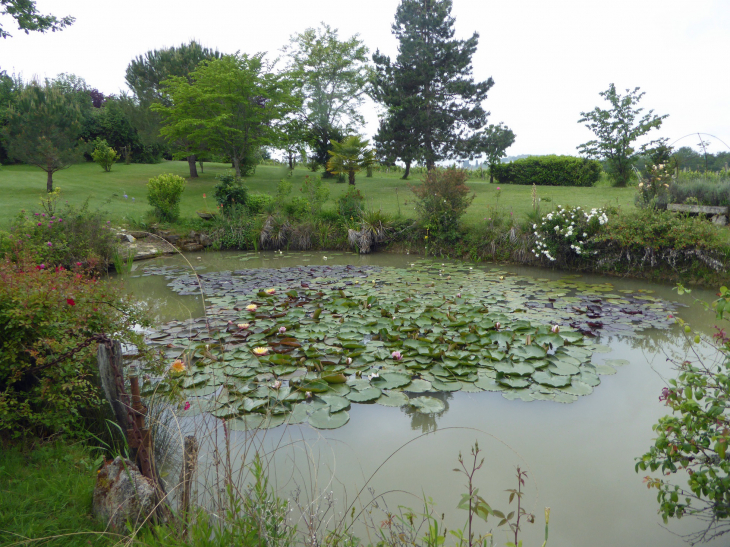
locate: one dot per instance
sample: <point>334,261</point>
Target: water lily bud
<point>555,329</point>
<point>282,330</point>
<point>497,325</point>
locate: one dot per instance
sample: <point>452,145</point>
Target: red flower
<point>70,302</point>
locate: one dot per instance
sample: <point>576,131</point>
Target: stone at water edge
<point>122,494</point>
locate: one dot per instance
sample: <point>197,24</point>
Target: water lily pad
<point>522,394</point>
<point>617,362</point>
<point>605,370</point>
<point>392,398</point>
<point>418,386</point>
<point>391,380</point>
<point>546,378</point>
<point>324,419</point>
<point>441,385</point>
<point>428,405</point>
<point>299,413</point>
<point>365,396</point>
<point>335,402</point>
<point>577,388</point>
<point>489,384</point>
<point>246,422</point>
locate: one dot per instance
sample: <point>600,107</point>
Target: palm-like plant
<point>350,156</point>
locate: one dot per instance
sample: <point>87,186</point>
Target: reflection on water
<point>428,423</point>
<point>580,457</point>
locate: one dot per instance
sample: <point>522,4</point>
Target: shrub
<point>350,204</point>
<point>230,192</point>
<point>258,203</point>
<point>67,236</point>
<point>549,171</point>
<point>104,155</point>
<point>238,229</point>
<point>441,201</point>
<point>47,374</point>
<point>694,438</point>
<point>163,193</point>
<point>298,208</point>
<point>567,232</point>
<point>316,192</point>
<point>704,191</point>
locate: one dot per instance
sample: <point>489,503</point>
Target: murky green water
<point>580,456</point>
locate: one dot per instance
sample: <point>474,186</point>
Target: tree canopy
<point>233,105</point>
<point>350,156</point>
<point>617,129</point>
<point>43,129</point>
<point>431,84</point>
<point>334,75</point>
<point>493,143</point>
<point>29,19</point>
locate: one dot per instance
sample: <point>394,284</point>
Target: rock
<point>720,220</point>
<point>191,247</point>
<point>193,235</point>
<point>172,238</point>
<point>205,240</point>
<point>139,235</point>
<point>128,238</point>
<point>122,494</point>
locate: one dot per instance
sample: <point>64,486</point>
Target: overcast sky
<point>549,58</point>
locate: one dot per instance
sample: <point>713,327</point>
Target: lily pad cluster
<point>302,344</point>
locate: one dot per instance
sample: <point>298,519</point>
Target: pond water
<point>579,456</point>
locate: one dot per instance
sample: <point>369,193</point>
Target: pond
<point>413,360</point>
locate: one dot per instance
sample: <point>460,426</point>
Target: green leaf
<point>323,419</point>
<point>428,405</point>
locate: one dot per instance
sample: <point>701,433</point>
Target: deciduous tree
<point>29,19</point>
<point>333,74</point>
<point>617,130</point>
<point>235,105</point>
<point>494,142</point>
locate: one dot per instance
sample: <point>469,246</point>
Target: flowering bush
<point>47,376</point>
<point>567,232</point>
<point>66,236</point>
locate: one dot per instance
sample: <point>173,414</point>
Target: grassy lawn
<point>46,493</point>
<point>22,186</point>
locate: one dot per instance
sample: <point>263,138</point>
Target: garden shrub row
<point>549,171</point>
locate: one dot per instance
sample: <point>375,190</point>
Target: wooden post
<point>190,460</point>
<point>108,361</point>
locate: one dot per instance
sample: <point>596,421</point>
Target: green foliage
<point>350,156</point>
<point>430,88</point>
<point>568,233</point>
<point>164,193</point>
<point>316,192</point>
<point>493,143</point>
<point>653,192</point>
<point>441,201</point>
<point>47,312</point>
<point>660,230</point>
<point>29,19</point>
<point>616,130</point>
<point>693,440</point>
<point>258,203</point>
<point>66,235</point>
<point>548,171</point>
<point>298,208</point>
<point>43,128</point>
<point>233,105</point>
<point>350,204</point>
<point>237,229</point>
<point>333,75</point>
<point>705,192</point>
<point>230,192</point>
<point>104,155</point>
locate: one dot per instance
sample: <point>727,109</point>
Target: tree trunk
<point>49,182</point>
<point>291,160</point>
<point>408,170</point>
<point>191,164</point>
<point>351,176</point>
<point>237,166</point>
<point>491,175</point>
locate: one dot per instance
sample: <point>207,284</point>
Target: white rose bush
<point>567,232</point>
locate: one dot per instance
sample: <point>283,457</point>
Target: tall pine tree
<point>430,86</point>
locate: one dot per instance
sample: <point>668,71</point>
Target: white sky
<point>549,58</point>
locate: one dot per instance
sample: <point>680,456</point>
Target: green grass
<point>46,493</point>
<point>23,186</point>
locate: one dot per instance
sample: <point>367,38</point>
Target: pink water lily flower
<point>282,330</point>
<point>555,329</point>
<point>396,355</point>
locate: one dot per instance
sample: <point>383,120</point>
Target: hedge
<point>549,171</point>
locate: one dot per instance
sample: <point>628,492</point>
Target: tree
<point>494,143</point>
<point>616,130</point>
<point>146,73</point>
<point>43,129</point>
<point>235,105</point>
<point>334,75</point>
<point>29,19</point>
<point>350,156</point>
<point>396,138</point>
<point>432,82</point>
